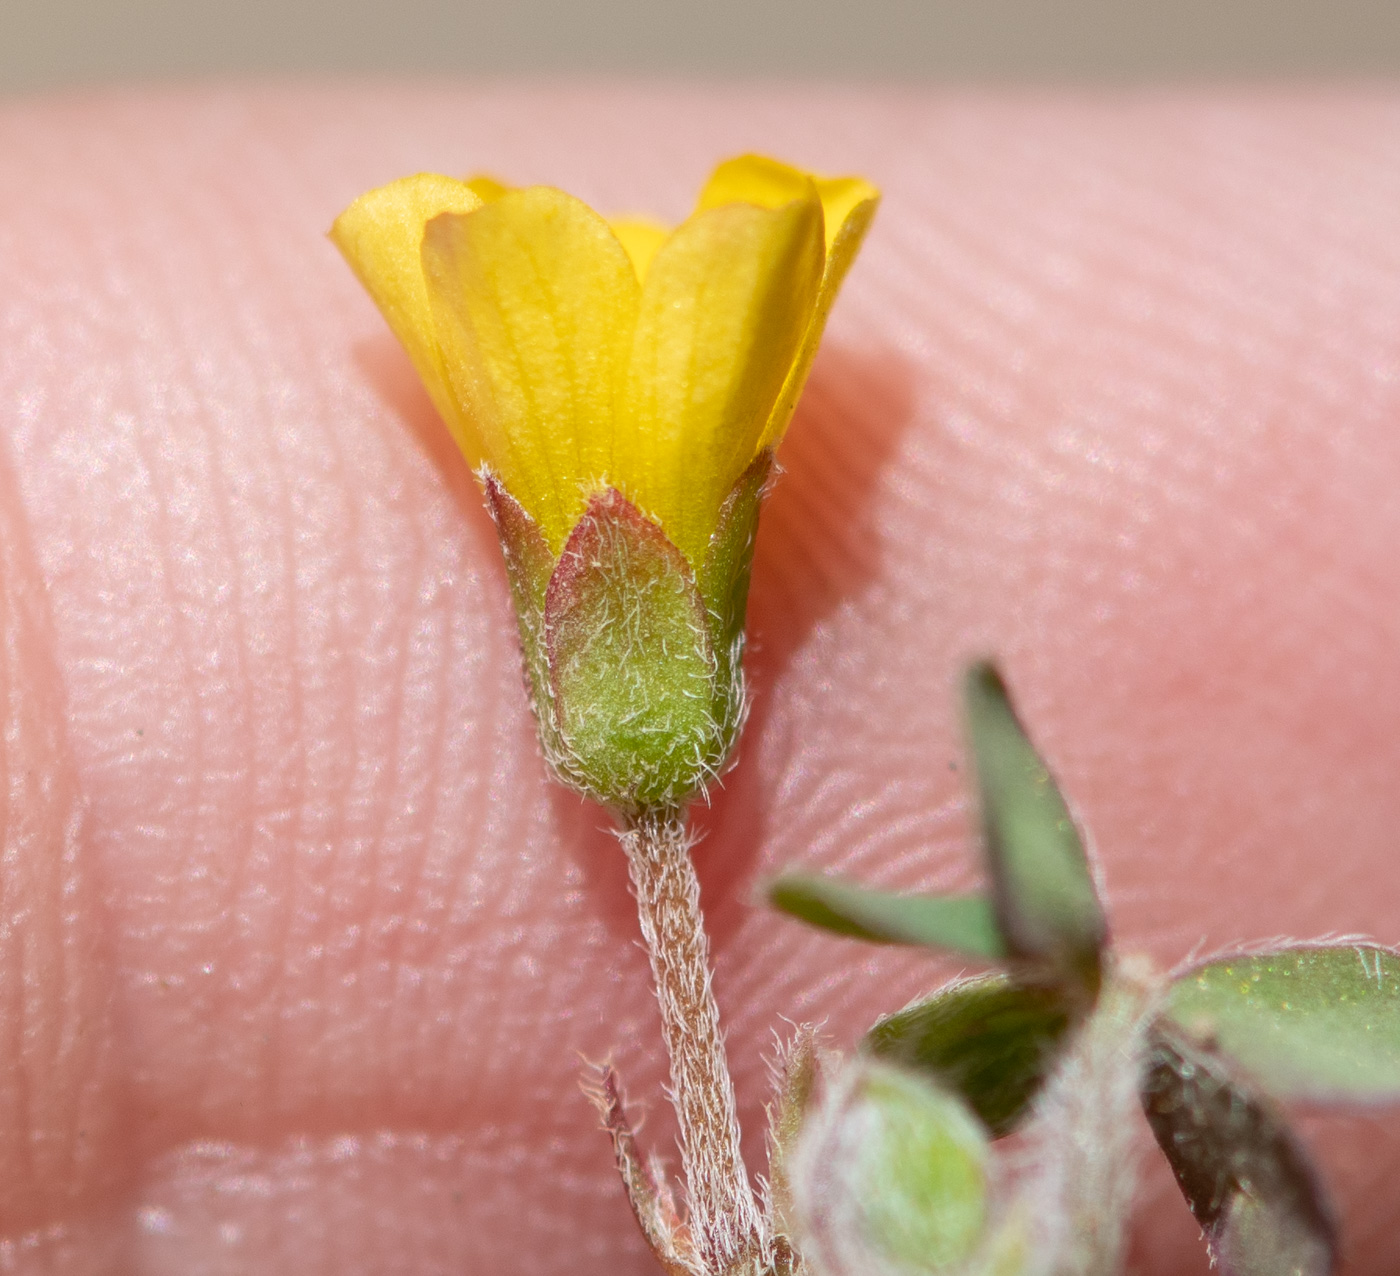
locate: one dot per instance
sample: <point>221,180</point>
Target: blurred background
<point>49,44</point>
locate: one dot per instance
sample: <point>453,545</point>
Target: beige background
<point>56,43</point>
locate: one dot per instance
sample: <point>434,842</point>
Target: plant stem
<point>725,1223</point>
<point>1085,1137</point>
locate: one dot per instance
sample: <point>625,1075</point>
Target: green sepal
<point>1245,1176</point>
<point>1306,1022</point>
<point>724,582</point>
<point>992,1040</point>
<point>529,565</point>
<point>632,670</point>
<point>1046,905</point>
<point>955,923</point>
<point>796,1073</point>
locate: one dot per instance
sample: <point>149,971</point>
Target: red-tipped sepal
<point>529,565</point>
<point>633,676</point>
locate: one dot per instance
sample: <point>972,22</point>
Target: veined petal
<point>381,235</point>
<point>848,204</point>
<point>756,179</point>
<point>535,301</point>
<point>725,306</point>
<point>642,237</point>
<point>841,252</point>
<point>769,183</point>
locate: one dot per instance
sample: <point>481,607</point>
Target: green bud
<point>890,1177</point>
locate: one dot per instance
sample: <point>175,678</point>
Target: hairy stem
<point>724,1219</point>
<point>1084,1143</point>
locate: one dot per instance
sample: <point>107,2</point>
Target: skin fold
<point>299,950</point>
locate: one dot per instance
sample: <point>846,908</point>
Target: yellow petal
<point>724,309</point>
<point>848,204</point>
<point>381,235</point>
<point>753,179</point>
<point>488,189</point>
<point>535,301</point>
<point>841,251</point>
<point>641,237</point>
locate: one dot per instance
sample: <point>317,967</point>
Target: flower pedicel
<point>620,389</point>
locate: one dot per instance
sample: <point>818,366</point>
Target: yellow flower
<point>615,375</point>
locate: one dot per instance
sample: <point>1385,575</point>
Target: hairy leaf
<point>991,1039</point>
<point>1046,904</point>
<point>1305,1022</point>
<point>1246,1177</point>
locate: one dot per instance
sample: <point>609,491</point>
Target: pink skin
<point>301,949</point>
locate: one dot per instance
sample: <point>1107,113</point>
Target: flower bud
<point>620,389</point>
<point>890,1177</point>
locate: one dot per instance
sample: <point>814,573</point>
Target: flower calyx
<point>633,659</point>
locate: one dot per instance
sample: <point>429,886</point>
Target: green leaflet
<point>1046,904</point>
<point>1305,1022</point>
<point>1262,1236</point>
<point>990,1039</point>
<point>957,923</point>
<point>1247,1179</point>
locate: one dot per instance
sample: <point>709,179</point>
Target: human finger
<point>1107,396</point>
